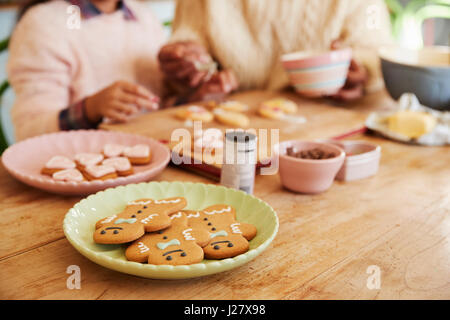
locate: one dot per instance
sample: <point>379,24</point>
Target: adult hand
<point>182,61</point>
<point>353,88</point>
<point>119,102</point>
<point>221,83</point>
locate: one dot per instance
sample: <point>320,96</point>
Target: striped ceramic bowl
<point>317,74</point>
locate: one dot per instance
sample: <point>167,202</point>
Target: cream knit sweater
<point>249,36</point>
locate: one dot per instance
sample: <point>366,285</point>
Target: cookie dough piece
<point>69,175</point>
<point>271,113</point>
<point>179,244</point>
<point>57,163</point>
<point>277,108</point>
<point>194,113</point>
<point>138,217</point>
<point>121,164</point>
<point>234,106</point>
<point>231,118</point>
<point>138,155</point>
<point>412,124</point>
<point>99,172</point>
<point>228,237</point>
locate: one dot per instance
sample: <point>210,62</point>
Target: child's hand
<point>119,102</point>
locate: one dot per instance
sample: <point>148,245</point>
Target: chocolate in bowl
<point>311,154</point>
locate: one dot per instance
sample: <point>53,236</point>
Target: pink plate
<point>24,160</point>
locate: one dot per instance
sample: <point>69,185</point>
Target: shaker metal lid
<point>240,136</point>
<point>246,140</point>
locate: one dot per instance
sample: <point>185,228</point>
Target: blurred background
<point>415,23</point>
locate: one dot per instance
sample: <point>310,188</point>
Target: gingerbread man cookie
<point>179,244</point>
<point>228,238</point>
<point>138,217</point>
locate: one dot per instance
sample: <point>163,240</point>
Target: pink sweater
<point>52,66</point>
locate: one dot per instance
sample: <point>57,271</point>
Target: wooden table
<point>398,221</point>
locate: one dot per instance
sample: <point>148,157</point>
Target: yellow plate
<point>79,225</point>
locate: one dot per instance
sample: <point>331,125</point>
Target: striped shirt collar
<point>89,10</point>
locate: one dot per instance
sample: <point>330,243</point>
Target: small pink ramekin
<point>358,166</point>
<point>304,175</point>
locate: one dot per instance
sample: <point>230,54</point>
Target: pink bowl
<point>314,74</point>
<point>25,159</point>
<point>304,175</point>
<point>361,161</point>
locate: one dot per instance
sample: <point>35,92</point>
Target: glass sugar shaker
<point>239,161</point>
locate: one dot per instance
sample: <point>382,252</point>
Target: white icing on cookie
<point>187,235</point>
<point>111,150</point>
<point>88,159</point>
<point>138,151</point>
<point>150,217</point>
<point>142,247</point>
<point>139,203</point>
<point>176,215</point>
<point>167,201</point>
<point>109,219</point>
<point>228,209</point>
<point>235,228</point>
<point>60,162</point>
<point>68,175</point>
<point>194,215</point>
<point>99,171</point>
<point>119,163</point>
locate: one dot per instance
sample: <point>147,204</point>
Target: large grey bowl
<point>424,72</point>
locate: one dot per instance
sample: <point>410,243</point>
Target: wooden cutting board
<point>320,123</point>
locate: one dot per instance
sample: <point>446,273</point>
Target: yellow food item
<point>412,124</point>
<point>271,113</point>
<point>231,118</point>
<point>235,106</point>
<point>285,105</point>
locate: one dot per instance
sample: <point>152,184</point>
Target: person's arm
<point>40,67</point>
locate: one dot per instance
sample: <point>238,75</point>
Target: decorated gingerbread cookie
<point>139,154</point>
<point>57,163</point>
<point>138,217</point>
<point>121,164</point>
<point>179,244</point>
<point>194,113</point>
<point>228,237</point>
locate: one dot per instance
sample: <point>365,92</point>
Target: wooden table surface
<point>398,221</point>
